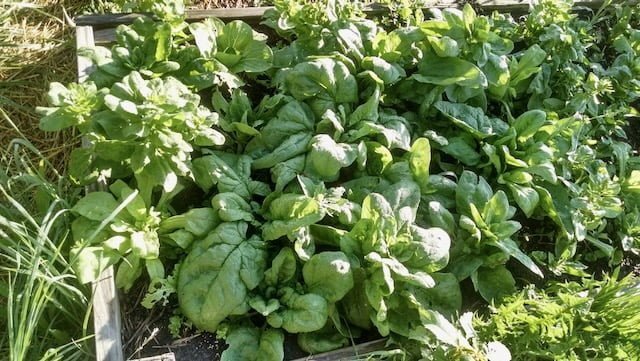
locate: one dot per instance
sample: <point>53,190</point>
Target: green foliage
<point>459,343</point>
<point>44,306</point>
<point>217,275</point>
<point>249,343</point>
<point>350,176</point>
<point>132,233</point>
<point>585,320</point>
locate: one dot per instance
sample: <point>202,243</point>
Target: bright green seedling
<point>486,229</point>
<point>116,227</point>
<point>144,46</point>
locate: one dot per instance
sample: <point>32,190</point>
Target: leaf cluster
<point>351,176</point>
<point>569,321</point>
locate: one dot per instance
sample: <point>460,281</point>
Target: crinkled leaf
<point>328,274</point>
<point>231,207</point>
<point>253,344</point>
<point>290,212</point>
<point>326,157</point>
<point>300,313</point>
<point>428,250</point>
<point>293,146</point>
<point>283,268</point>
<point>469,118</point>
<point>324,78</point>
<point>463,148</point>
<point>213,170</point>
<point>404,199</point>
<point>216,276</point>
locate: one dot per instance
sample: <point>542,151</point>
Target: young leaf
<point>252,344</point>
<point>241,49</point>
<point>299,313</point>
<point>512,249</point>
<point>324,78</point>
<point>204,34</point>
<point>526,197</point>
<point>493,283</point>
<point>419,162</point>
<point>290,212</point>
<point>328,274</point>
<point>448,71</point>
<point>96,206</point>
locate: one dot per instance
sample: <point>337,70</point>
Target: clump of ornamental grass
<point>45,309</point>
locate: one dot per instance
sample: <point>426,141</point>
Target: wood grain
<point>164,357</point>
<point>106,318</point>
<point>253,15</point>
<point>106,306</point>
<point>348,352</point>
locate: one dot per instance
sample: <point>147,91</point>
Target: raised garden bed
<point>92,30</point>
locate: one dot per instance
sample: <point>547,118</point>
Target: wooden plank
<point>246,14</point>
<point>523,6</point>
<point>106,318</point>
<point>254,14</point>
<point>106,306</point>
<point>104,36</point>
<point>105,32</point>
<point>101,21</point>
<point>164,357</point>
<point>84,37</point>
<point>348,352</point>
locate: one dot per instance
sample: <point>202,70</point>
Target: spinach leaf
<point>218,273</point>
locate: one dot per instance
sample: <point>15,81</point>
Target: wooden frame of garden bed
<point>94,30</point>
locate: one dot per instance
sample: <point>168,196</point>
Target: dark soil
<point>633,132</point>
<point>629,265</point>
<point>146,333</point>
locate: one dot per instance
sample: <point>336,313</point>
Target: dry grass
<point>36,48</point>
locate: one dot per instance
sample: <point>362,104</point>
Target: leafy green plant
<point>486,235</point>
<point>45,307</point>
<point>395,162</point>
<point>584,320</point>
<point>459,343</point>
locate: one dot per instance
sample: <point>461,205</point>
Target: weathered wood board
<point>106,306</point>
<point>104,25</point>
